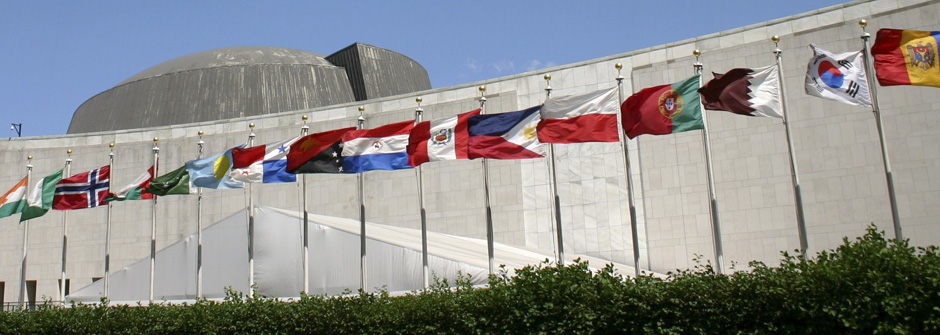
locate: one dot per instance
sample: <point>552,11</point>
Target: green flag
<point>175,182</point>
<point>40,199</point>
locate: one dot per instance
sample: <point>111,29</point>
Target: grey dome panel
<point>248,81</point>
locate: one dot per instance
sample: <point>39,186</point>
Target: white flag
<point>839,77</point>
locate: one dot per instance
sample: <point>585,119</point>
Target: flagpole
<point>251,220</point>
<point>199,225</point>
<point>797,194</point>
<point>153,217</point>
<point>107,243</point>
<point>305,229</point>
<point>490,249</point>
<point>892,197</point>
<point>424,218</point>
<point>626,163</point>
<point>65,229</point>
<point>23,299</point>
<point>556,201</point>
<point>713,202</point>
<point>360,124</point>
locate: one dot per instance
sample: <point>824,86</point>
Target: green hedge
<point>867,286</point>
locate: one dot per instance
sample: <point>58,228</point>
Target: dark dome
<point>235,56</point>
<point>246,81</point>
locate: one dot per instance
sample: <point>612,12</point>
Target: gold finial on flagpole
<point>156,139</point>
<point>69,151</point>
<point>251,126</point>
<point>201,133</point>
<point>775,39</point>
<point>482,90</point>
<point>361,110</point>
<point>619,67</point>
<point>548,82</point>
<point>548,76</point>
<point>863,23</point>
<point>419,100</point>
<point>696,53</point>
<point>29,158</point>
<point>304,129</point>
<point>111,146</point>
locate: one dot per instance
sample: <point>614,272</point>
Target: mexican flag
<point>13,201</point>
<point>40,199</point>
<point>134,191</point>
<point>664,109</point>
<point>174,182</point>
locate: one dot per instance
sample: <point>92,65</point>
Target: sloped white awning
<point>393,260</point>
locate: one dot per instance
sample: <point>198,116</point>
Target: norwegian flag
<point>84,190</point>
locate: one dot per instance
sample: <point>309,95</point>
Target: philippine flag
<point>436,140</point>
<point>506,136</point>
<point>382,148</point>
<point>265,163</point>
<point>839,77</point>
<point>84,190</point>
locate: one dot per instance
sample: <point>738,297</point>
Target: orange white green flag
<point>14,200</point>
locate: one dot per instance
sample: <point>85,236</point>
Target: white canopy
<point>393,260</point>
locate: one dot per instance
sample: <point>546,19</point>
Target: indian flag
<point>14,200</point>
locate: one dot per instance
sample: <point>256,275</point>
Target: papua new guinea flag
<point>318,153</point>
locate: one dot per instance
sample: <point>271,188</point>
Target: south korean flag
<point>839,77</point>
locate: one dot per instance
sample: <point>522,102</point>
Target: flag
<point>906,57</point>
<point>84,190</point>
<point>590,117</point>
<point>664,109</point>
<point>174,182</point>
<point>317,153</point>
<point>506,136</point>
<point>134,191</point>
<point>382,148</point>
<point>41,197</point>
<point>840,77</point>
<point>265,163</point>
<point>213,172</point>
<point>751,92</point>
<point>14,200</point>
<point>436,140</point>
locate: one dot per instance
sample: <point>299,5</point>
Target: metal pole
<point>556,201</point>
<point>107,234</point>
<point>23,293</point>
<point>199,144</point>
<point>361,121</point>
<point>424,218</point>
<point>304,229</point>
<point>153,217</point>
<point>251,220</point>
<point>626,163</point>
<point>797,194</point>
<point>892,196</point>
<point>490,248</point>
<point>65,229</point>
<point>713,202</point>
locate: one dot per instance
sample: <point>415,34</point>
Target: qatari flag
<point>751,92</point>
<point>84,190</point>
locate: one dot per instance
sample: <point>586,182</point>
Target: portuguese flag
<point>906,57</point>
<point>664,109</point>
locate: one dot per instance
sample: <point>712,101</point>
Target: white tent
<point>394,260</point>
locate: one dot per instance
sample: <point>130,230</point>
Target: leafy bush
<point>867,286</point>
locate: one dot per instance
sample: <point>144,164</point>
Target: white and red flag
<point>590,117</point>
<point>437,140</point>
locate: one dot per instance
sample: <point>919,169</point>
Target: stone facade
<point>836,146</point>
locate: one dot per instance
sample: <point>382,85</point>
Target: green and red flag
<point>664,109</point>
<point>136,190</point>
<point>174,182</point>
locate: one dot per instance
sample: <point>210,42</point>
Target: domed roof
<point>233,56</point>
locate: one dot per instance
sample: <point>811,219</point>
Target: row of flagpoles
<point>591,117</point>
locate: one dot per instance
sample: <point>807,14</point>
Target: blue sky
<point>57,54</point>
